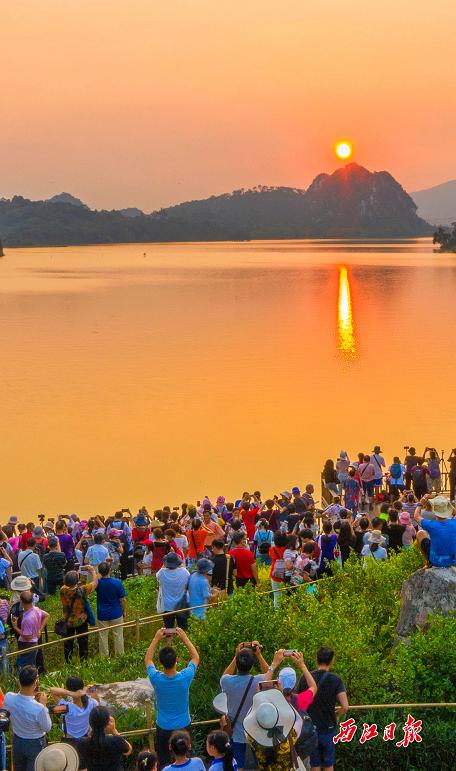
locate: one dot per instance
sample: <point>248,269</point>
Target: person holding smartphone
<point>80,703</point>
<point>172,687</point>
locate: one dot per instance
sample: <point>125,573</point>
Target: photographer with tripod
<point>452,474</point>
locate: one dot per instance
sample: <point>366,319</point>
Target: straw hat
<point>270,719</point>
<point>57,757</point>
<point>376,536</point>
<point>20,584</point>
<point>441,507</point>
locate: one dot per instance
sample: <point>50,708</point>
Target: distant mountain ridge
<point>351,202</point>
<point>437,204</point>
<point>66,198</point>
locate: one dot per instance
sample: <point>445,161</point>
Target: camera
<point>268,685</point>
<point>58,709</point>
<point>252,646</point>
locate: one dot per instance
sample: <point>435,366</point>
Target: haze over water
<point>213,368</point>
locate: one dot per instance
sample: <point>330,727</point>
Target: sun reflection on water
<point>346,341</point>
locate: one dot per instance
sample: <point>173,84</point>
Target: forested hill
<point>352,202</point>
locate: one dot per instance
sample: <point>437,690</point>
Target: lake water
<point>153,374</point>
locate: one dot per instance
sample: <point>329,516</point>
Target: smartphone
<point>58,709</point>
<point>170,632</point>
<point>268,685</point>
<point>92,688</point>
<point>289,653</point>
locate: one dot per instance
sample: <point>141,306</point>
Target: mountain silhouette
<point>437,204</point>
<point>351,202</point>
<point>66,198</point>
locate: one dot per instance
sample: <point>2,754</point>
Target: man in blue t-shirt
<point>110,610</point>
<point>437,539</point>
<point>171,688</point>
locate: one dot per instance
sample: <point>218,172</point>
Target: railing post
<point>150,724</point>
<point>4,663</point>
<point>137,628</point>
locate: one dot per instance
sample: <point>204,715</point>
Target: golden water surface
<point>153,374</point>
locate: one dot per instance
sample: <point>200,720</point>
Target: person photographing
<point>30,719</point>
<point>171,687</point>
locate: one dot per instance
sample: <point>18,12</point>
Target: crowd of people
<point>199,554</point>
<point>273,717</point>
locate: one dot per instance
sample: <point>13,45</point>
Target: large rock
<point>129,694</point>
<point>427,591</point>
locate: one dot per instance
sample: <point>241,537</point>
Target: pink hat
<point>220,500</point>
<point>404,518</point>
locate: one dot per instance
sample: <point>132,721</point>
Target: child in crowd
<point>409,534</point>
<point>290,556</point>
<point>218,748</point>
<point>180,747</point>
<point>147,559</point>
<point>147,761</point>
<point>332,511</point>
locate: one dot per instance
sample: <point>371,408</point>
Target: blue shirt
<point>199,592</point>
<point>443,542</point>
<point>109,593</point>
<point>217,764</point>
<point>173,711</point>
<point>29,718</point>
<point>192,764</point>
<point>97,554</point>
<point>173,586</point>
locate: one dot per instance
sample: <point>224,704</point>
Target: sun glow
<point>344,150</point>
<point>346,331</point>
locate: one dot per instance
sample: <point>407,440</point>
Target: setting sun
<point>344,150</point>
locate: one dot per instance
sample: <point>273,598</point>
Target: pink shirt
<point>31,623</point>
<point>366,472</point>
<point>304,699</point>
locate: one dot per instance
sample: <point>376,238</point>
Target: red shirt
<point>243,559</point>
<point>276,553</point>
<point>248,518</point>
<point>140,535</point>
<point>25,538</point>
<point>159,550</point>
<point>196,540</point>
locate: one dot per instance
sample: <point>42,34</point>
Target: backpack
<point>418,475</point>
<point>396,471</point>
<point>278,572</point>
<point>308,738</point>
<point>264,544</point>
<point>434,468</point>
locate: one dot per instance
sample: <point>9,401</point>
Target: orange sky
<point>151,102</point>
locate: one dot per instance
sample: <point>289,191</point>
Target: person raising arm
<point>256,648</point>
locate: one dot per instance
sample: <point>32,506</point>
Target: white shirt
<point>29,718</point>
<point>29,563</point>
<point>377,461</point>
<point>77,718</point>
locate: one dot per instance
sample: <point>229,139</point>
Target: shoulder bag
<point>226,723</point>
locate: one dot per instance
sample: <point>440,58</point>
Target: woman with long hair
<point>330,479</point>
<point>220,751</point>
<point>104,749</point>
<point>328,544</point>
<point>346,539</point>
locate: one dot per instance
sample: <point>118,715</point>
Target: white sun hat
<point>270,719</point>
